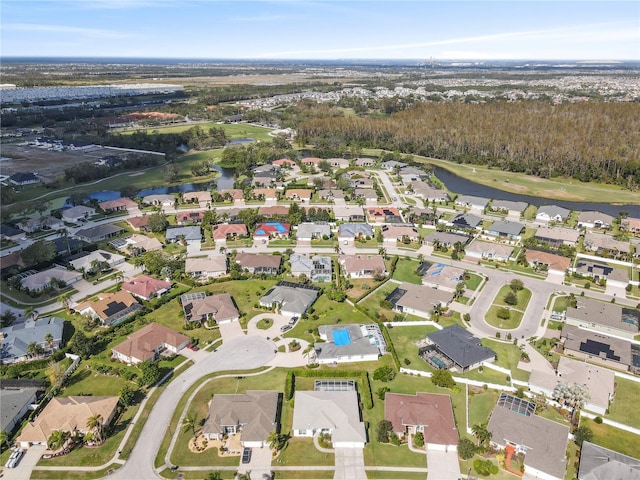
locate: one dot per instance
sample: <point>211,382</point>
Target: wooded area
<point>585,141</point>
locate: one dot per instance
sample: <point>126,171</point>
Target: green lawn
<point>627,395</point>
<point>508,355</point>
<point>73,475</point>
<point>613,438</point>
<point>481,405</point>
<point>523,296</point>
<point>265,323</point>
<point>406,271</point>
<point>473,282</point>
<point>239,130</point>
<point>509,324</point>
<point>372,303</point>
<point>404,339</point>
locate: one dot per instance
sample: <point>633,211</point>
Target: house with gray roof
<point>104,260</point>
<point>429,193</point>
<point>557,236</point>
<point>488,251</point>
<point>466,221</point>
<point>591,220</point>
<point>552,213</point>
<point>612,352</point>
<point>391,164</point>
<point>39,281</point>
<point>77,214</point>
<point>349,343</point>
<point>337,413</point>
<point>253,414</point>
<point>307,231</point>
<point>606,245</point>
<point>317,268</point>
<point>362,266</point>
<point>605,317</point>
<point>191,234</point>
<point>16,338</point>
<point>512,209</point>
<point>474,203</point>
<point>292,299</point>
<point>23,178</point>
<point>455,348</point>
<point>418,300</point>
<point>165,201</point>
<point>352,231</point>
<point>17,397</point>
<point>99,232</point>
<point>543,442</point>
<point>506,230</point>
<point>331,194</point>
<point>445,239</point>
<point>599,463</point>
<point>259,263</point>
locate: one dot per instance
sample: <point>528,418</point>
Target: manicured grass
<point>467,466</point>
<point>311,474</point>
<point>73,475</point>
<point>404,341</point>
<point>508,355</point>
<point>560,304</point>
<point>613,438</point>
<point>509,324</point>
<point>372,303</point>
<point>406,271</point>
<point>265,323</point>
<point>523,296</point>
<point>473,282</point>
<point>371,243</point>
<point>626,400</point>
<point>481,405</point>
<point>392,475</point>
<point>239,130</point>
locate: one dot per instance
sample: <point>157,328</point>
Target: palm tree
<point>3,438</point>
<point>94,422</point>
<point>382,252</point>
<point>48,339</point>
<point>31,312</point>
<point>57,439</point>
<point>32,349</point>
<point>481,433</point>
<point>65,300</point>
<point>190,422</point>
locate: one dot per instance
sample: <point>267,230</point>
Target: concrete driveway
<point>260,464</point>
<point>349,464</point>
<point>442,465</point>
<point>231,330</point>
<point>271,332</point>
<point>25,467</point>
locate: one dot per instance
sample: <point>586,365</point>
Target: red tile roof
<point>145,286</point>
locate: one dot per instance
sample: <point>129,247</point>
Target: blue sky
<point>514,29</point>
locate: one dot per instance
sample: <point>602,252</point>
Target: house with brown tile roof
<point>139,223</point>
<point>418,300</point>
<point>229,230</point>
<point>118,205</point>
<point>311,161</point>
<point>284,162</point>
<point>146,287</point>
<point>630,224</point>
<point>69,414</point>
<point>110,307</point>
<point>189,218</point>
<point>235,193</point>
<point>429,413</point>
<point>300,194</point>
<point>204,268</point>
<point>148,342</point>
<point>259,263</point>
<point>274,211</point>
<point>552,262</point>
<point>606,245</point>
<point>199,307</point>
<point>362,266</point>
<point>383,214</point>
<point>268,193</point>
<point>202,198</point>
<point>395,233</point>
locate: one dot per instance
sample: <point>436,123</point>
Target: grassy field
<point>509,324</point>
<point>627,395</point>
<point>237,130</point>
<point>613,438</point>
<point>406,271</point>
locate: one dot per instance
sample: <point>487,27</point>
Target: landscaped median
<point>509,306</point>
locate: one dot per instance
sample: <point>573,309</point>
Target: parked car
<point>14,458</point>
<point>246,455</point>
<point>293,320</point>
<point>284,328</point>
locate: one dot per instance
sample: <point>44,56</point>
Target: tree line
<point>586,141</point>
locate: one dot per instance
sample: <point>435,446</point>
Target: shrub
<point>443,378</point>
<point>485,467</point>
<point>466,449</point>
<point>385,428</point>
<point>598,420</point>
<point>381,392</point>
<point>384,374</point>
<point>418,439</point>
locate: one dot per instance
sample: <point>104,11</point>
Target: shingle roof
<point>140,344</point>
<point>460,345</point>
<point>189,233</point>
<point>599,463</point>
<point>145,286</point>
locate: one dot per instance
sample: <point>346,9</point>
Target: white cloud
<point>66,29</point>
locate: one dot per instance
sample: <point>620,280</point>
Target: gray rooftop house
<point>17,338</point>
<point>548,213</point>
<point>466,221</point>
<point>317,268</point>
<point>17,398</point>
<point>292,299</point>
<point>612,352</point>
<point>469,201</point>
<point>508,207</point>
<point>190,234</point>
<point>445,239</point>
<point>604,317</point>
<point>455,347</point>
<point>349,343</point>
<point>506,229</point>
<point>590,220</point>
<point>98,233</point>
<point>309,230</point>
<point>543,442</point>
<point>599,463</point>
<point>351,231</point>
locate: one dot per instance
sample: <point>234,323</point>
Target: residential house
<point>428,413</point>
<point>334,412</point>
<point>506,230</point>
<point>235,194</point>
<point>591,220</point>
<point>110,308</point>
<point>16,338</point>
<point>229,231</point>
<point>445,239</point>
<point>69,414</point>
<point>274,211</point>
<point>420,216</point>
<point>317,268</point>
<point>512,209</point>
<point>369,195</point>
<point>392,164</point>
<point>543,442</point>
<point>23,178</point>
<point>384,215</point>
<point>139,223</point>
<point>599,463</point>
<point>552,213</point>
<point>338,162</point>
<point>399,233</point>
<point>348,213</point>
<point>291,299</point>
<point>263,179</point>
<point>418,300</point>
<point>557,236</point>
<point>189,218</point>
<point>607,318</point>
<point>631,225</point>
<point>259,264</point>
<point>361,183</point>
<point>331,195</point>
<point>53,276</point>
<point>320,181</point>
<point>77,214</point>
<point>362,266</point>
<point>190,235</point>
<point>99,232</point>
<point>601,271</point>
<point>299,194</point>
<point>474,203</point>
<point>253,414</point>
<point>349,343</point>
<point>123,204</point>
<point>146,287</point>
<point>164,201</point>
<point>429,193</point>
<point>9,233</point>
<point>138,244</point>
<point>311,161</point>
<point>268,194</point>
<point>41,223</point>
<point>365,162</point>
<point>595,347</point>
<point>148,343</point>
<point>466,221</point>
<point>268,230</point>
<point>203,199</point>
<point>606,245</point>
<point>11,264</point>
<point>453,347</point>
<point>200,307</point>
<point>440,276</point>
<point>204,268</point>
<point>488,251</point>
<point>284,162</point>
<point>307,231</point>
<point>600,382</point>
<point>17,397</point>
<point>547,261</point>
<point>96,261</point>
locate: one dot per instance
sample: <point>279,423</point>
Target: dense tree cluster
<point>587,141</point>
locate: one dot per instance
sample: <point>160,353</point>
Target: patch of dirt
<point>562,194</point>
